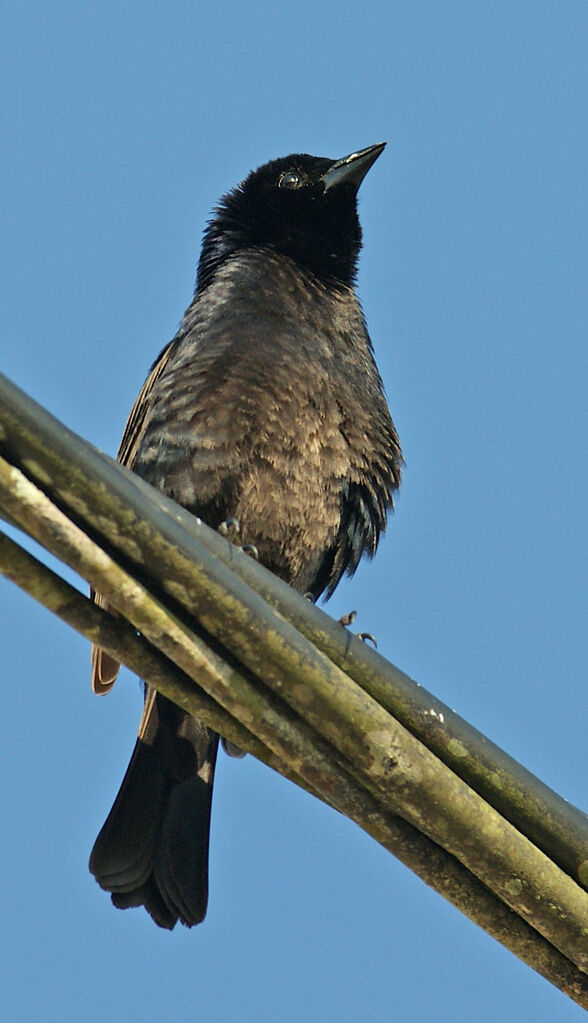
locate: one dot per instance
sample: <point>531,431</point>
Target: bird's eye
<point>290,179</point>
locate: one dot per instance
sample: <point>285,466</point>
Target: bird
<point>266,409</point>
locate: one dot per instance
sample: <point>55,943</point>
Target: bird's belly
<point>292,518</point>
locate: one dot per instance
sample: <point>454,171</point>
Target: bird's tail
<point>153,848</point>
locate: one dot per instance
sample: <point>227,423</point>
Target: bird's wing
<point>134,429</point>
<point>104,667</point>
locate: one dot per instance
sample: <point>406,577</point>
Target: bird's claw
<point>365,637</point>
<point>229,528</point>
<point>232,750</point>
<point>348,619</point>
<point>251,550</point>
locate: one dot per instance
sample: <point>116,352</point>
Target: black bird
<point>266,407</point>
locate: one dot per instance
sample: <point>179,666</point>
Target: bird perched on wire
<point>266,407</point>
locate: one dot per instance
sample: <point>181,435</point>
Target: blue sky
<point>124,124</point>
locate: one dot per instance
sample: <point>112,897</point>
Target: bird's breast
<point>270,405</point>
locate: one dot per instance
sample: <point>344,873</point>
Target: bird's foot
<point>365,637</point>
<point>230,529</point>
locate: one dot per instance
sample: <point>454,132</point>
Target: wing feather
<point>104,667</point>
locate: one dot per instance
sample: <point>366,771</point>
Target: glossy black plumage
<point>267,406</point>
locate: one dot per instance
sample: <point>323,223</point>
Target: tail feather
<point>153,847</point>
<point>147,895</point>
<point>104,667</point>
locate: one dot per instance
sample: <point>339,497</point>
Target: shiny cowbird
<point>266,407</point>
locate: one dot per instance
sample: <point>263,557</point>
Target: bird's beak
<point>352,169</point>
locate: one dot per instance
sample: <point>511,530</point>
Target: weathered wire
<point>109,500</point>
<point>242,637</point>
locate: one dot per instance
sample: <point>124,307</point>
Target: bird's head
<point>303,207</point>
